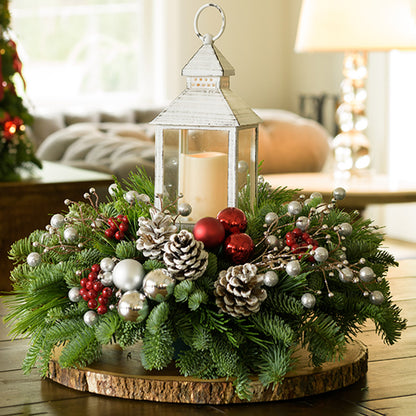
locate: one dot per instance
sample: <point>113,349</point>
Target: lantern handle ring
<point>207,38</point>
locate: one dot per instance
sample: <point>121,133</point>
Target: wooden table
<point>361,190</point>
<point>388,389</point>
<point>27,205</point>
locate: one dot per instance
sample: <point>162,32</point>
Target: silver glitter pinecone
<point>238,290</point>
<point>153,233</point>
<point>184,256</point>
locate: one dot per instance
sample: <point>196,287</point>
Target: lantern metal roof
<point>207,100</point>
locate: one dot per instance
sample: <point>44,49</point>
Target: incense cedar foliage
<point>188,327</point>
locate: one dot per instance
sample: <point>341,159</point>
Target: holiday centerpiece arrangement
<point>16,150</point>
<point>207,268</point>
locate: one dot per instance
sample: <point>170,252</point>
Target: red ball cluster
<point>118,227</point>
<point>228,229</point>
<point>94,292</point>
<point>298,241</point>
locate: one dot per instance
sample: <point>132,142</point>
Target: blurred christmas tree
<point>16,150</point>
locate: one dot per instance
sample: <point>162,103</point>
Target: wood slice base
<point>119,374</point>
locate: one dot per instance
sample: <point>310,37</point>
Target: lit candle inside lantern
<point>203,183</point>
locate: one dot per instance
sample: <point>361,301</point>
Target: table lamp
<point>355,27</point>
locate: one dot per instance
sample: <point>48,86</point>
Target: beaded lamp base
<point>119,374</point>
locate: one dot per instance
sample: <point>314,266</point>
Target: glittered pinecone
<point>153,233</point>
<point>184,256</point>
<point>238,290</point>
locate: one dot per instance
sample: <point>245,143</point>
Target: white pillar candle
<point>203,183</point>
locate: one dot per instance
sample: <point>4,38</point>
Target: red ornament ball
<point>233,219</point>
<point>239,248</point>
<point>210,231</point>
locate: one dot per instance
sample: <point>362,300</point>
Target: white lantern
<point>206,139</point>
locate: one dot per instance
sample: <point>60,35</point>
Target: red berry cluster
<point>118,227</point>
<point>298,241</point>
<point>94,292</point>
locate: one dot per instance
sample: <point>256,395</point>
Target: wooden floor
<point>388,389</point>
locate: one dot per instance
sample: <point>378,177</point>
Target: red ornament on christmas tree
<point>239,247</point>
<point>233,219</point>
<point>210,231</point>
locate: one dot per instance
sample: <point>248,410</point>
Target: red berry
<point>109,233</point>
<point>107,292</point>
<point>83,291</point>
<point>86,297</point>
<point>95,268</point>
<point>92,303</point>
<point>295,248</point>
<point>102,300</point>
<point>112,222</point>
<point>305,236</point>
<point>92,294</point>
<point>124,219</point>
<point>83,281</point>
<point>120,217</point>
<point>89,285</point>
<point>297,232</point>
<point>92,276</point>
<point>102,309</point>
<point>97,286</point>
<point>310,241</point>
<point>119,235</point>
<point>123,227</point>
<point>290,240</point>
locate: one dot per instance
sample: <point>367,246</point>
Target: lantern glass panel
<point>247,163</point>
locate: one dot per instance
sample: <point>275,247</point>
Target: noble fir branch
<point>201,338</point>
<point>183,290</point>
<point>197,298</point>
<point>150,265</point>
<point>126,250</point>
<point>22,248</point>
<point>157,350</point>
<point>140,182</point>
<point>225,356</point>
<point>196,363</point>
<point>107,327</point>
<point>128,333</point>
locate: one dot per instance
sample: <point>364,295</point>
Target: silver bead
<point>366,293</point>
<point>270,218</point>
<point>112,189</point>
<point>302,223</point>
<point>330,294</point>
<point>345,229</point>
<point>74,295</point>
<point>272,241</point>
<point>376,297</point>
<point>86,195</point>
<point>34,259</point>
<point>90,318</point>
<point>57,220</point>
<point>128,275</point>
<point>339,193</point>
<point>131,196</point>
<point>316,195</point>
<point>346,275</point>
<point>321,254</point>
<point>92,191</point>
<point>70,234</point>
<point>107,264</point>
<point>308,300</point>
<point>132,305</point>
<point>293,268</point>
<point>294,208</point>
<point>270,278</point>
<point>184,209</point>
<point>362,260</point>
<point>144,198</point>
<point>158,284</point>
<point>107,278</point>
<point>367,274</point>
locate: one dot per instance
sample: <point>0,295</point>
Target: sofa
<point>118,143</point>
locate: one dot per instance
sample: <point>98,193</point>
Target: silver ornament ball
<point>34,259</point>
<point>294,208</point>
<point>158,284</point>
<point>184,209</point>
<point>316,195</point>
<point>345,229</point>
<point>112,189</point>
<point>346,275</point>
<point>367,274</point>
<point>57,220</point>
<point>73,294</point>
<point>132,305</point>
<point>128,275</point>
<point>321,254</point>
<point>144,198</point>
<point>131,196</point>
<point>308,300</point>
<point>270,278</point>
<point>339,193</point>
<point>272,241</point>
<point>106,278</point>
<point>90,318</point>
<point>71,234</point>
<point>302,223</point>
<point>270,218</point>
<point>107,264</point>
<point>293,268</point>
<point>376,297</point>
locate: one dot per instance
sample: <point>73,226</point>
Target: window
<point>84,53</point>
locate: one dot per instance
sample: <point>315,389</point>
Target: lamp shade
<point>365,25</point>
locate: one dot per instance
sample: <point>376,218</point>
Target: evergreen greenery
<point>187,327</point>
